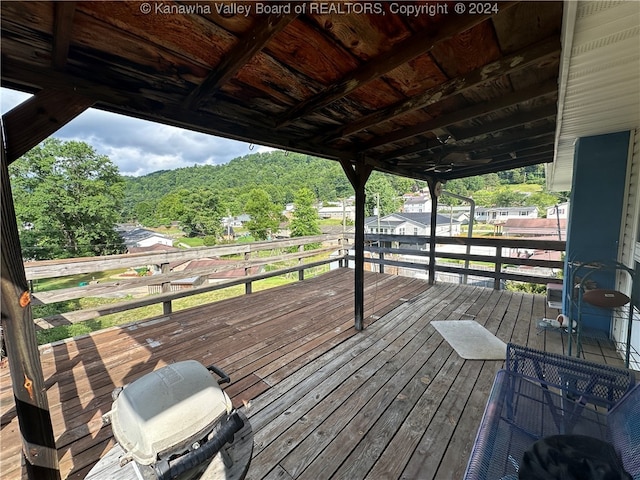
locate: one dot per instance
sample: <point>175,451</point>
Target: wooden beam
<point>124,102</point>
<point>499,166</point>
<point>465,114</point>
<point>506,138</point>
<point>418,44</point>
<point>495,148</point>
<point>259,35</point>
<point>62,28</point>
<point>505,66</point>
<point>38,117</point>
<point>29,390</point>
<point>358,175</point>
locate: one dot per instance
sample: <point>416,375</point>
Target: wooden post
<point>300,261</point>
<point>358,175</point>
<point>432,235</point>
<point>166,288</point>
<point>381,264</point>
<point>498,268</point>
<point>30,394</point>
<point>247,272</point>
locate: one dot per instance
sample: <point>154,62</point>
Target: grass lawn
<point>46,284</point>
<point>190,241</point>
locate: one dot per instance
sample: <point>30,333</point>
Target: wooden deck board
<point>324,401</point>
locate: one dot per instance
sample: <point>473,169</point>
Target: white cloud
<point>139,147</point>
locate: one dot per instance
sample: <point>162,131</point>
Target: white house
<point>338,211</point>
<point>561,212</point>
<point>411,224</point>
<point>502,214</point>
<point>141,237</point>
<point>416,203</point>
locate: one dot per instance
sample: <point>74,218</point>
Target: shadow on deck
<point>325,401</point>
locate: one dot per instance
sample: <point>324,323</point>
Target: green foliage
<point>504,197</point>
<point>68,199</point>
<point>389,198</point>
<point>305,221</point>
<point>305,216</point>
<point>513,286</point>
<point>265,215</point>
<point>209,240</point>
<point>278,173</point>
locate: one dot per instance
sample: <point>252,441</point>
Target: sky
<point>139,147</point>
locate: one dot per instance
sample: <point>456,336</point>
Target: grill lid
<point>164,412</point>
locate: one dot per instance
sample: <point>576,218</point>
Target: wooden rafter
<point>465,114</point>
<point>499,166</point>
<point>405,51</point>
<point>515,120</point>
<point>501,140</point>
<point>245,49</point>
<point>505,66</point>
<point>38,117</point>
<point>62,28</point>
<point>496,147</point>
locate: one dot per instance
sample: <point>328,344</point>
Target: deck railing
<point>248,257</point>
<point>497,259</point>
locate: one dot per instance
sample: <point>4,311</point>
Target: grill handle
<point>168,470</point>
<point>224,378</point>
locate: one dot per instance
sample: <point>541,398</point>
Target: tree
<point>389,199</point>
<point>68,199</point>
<point>305,216</point>
<point>201,213</point>
<point>265,215</point>
<point>543,200</point>
<point>509,198</point>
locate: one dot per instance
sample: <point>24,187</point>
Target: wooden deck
<point>393,401</point>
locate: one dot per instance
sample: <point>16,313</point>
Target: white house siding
<point>150,241</point>
<point>502,214</point>
<point>630,246</point>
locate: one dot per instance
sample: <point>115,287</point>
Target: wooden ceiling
<point>436,94</point>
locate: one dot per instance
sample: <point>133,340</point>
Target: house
<point>416,203</point>
<point>412,224</point>
<point>235,221</point>
<point>347,212</point>
<point>502,214</point>
<point>141,237</point>
<point>550,228</point>
<point>558,211</point>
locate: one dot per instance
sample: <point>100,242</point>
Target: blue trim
<point>597,198</point>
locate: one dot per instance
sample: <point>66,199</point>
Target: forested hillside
<point>282,174</point>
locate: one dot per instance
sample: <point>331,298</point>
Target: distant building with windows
<point>416,203</point>
<point>562,210</point>
<point>502,214</point>
<point>407,223</point>
<point>338,211</point>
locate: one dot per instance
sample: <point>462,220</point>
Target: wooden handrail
<point>53,268</point>
<point>101,310</point>
<point>498,260</point>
